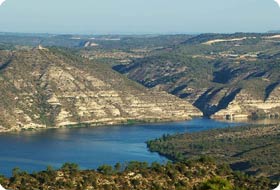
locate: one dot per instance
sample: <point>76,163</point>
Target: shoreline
<point>241,142</point>
<point>127,122</point>
<point>131,122</point>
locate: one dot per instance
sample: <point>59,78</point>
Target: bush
<point>135,182</point>
<point>216,183</point>
<point>70,167</point>
<point>2,179</point>
<point>157,167</point>
<point>105,169</point>
<point>118,167</point>
<point>134,165</point>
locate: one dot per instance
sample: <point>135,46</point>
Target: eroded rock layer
<point>43,88</point>
<point>224,75</point>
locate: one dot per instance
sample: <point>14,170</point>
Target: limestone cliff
<point>224,75</point>
<point>43,88</point>
<point>245,105</point>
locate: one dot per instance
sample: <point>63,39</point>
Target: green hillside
<point>252,149</point>
<point>199,174</point>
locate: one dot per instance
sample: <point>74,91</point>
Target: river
<point>90,147</point>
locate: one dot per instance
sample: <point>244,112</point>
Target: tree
<point>134,165</point>
<point>118,167</point>
<point>216,183</point>
<point>70,167</point>
<point>157,167</point>
<point>105,169</point>
<point>16,172</point>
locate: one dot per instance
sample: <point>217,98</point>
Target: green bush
<point>134,165</point>
<point>216,183</point>
<point>105,169</point>
<point>72,167</point>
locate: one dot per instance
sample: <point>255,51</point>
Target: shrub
<point>70,167</point>
<point>216,183</point>
<point>134,165</point>
<point>105,169</point>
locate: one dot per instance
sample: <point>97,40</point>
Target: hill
<point>224,75</point>
<point>252,149</point>
<point>43,88</point>
<point>94,42</point>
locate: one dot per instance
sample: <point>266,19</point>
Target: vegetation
<point>201,174</point>
<point>252,149</point>
<point>210,70</point>
<point>55,87</point>
<point>105,42</point>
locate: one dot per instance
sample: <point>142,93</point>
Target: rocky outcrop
<point>47,88</point>
<point>224,75</point>
<point>245,105</point>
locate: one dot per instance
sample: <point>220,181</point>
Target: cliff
<point>244,105</point>
<point>43,88</point>
<point>224,75</point>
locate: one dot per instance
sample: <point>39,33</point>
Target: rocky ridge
<point>43,88</point>
<point>244,106</point>
<point>225,76</point>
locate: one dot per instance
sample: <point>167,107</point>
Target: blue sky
<point>139,16</point>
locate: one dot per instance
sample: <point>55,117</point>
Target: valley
<point>139,95</point>
<point>52,167</point>
<point>98,95</point>
<point>233,76</point>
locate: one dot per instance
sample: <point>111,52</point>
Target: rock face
<point>43,88</point>
<point>245,105</point>
<point>225,76</point>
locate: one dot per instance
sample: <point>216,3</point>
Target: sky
<point>138,16</point>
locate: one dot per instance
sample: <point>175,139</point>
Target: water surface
<point>90,147</point>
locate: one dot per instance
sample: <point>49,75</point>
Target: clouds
<point>278,2</point>
<point>2,1</point>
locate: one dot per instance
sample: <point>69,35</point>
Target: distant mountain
<point>43,88</point>
<point>224,75</point>
<point>274,31</point>
<point>101,41</point>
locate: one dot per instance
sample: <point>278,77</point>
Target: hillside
<point>198,174</point>
<point>224,75</point>
<point>252,149</point>
<point>43,88</point>
<point>91,42</point>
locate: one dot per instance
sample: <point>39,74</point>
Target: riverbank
<point>197,174</point>
<point>90,147</point>
<point>121,122</point>
<point>253,149</point>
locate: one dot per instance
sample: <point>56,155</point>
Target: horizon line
<point>131,33</point>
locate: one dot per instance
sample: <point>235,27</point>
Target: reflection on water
<point>265,121</point>
<point>255,121</point>
<point>90,147</point>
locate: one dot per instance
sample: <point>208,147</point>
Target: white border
<point>277,188</point>
<point>1,188</point>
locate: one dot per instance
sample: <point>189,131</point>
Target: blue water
<point>89,147</point>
